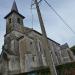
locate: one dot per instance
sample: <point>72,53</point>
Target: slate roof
<point>14,9</point>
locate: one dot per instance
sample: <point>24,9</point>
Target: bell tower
<point>14,19</point>
<point>14,27</point>
<point>14,24</point>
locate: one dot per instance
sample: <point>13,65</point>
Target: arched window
<point>9,20</point>
<point>18,20</point>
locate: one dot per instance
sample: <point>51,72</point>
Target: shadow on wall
<point>38,72</point>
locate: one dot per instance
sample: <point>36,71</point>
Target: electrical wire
<point>32,4</point>
<point>59,16</point>
<point>32,18</point>
<point>32,15</point>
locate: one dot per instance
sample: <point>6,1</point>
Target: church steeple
<point>14,19</point>
<point>14,7</point>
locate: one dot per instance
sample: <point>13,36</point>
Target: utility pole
<point>48,55</point>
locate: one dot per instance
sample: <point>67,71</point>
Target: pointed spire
<point>14,7</point>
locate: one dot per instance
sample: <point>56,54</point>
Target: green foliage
<point>61,69</point>
<point>66,66</point>
<point>73,49</point>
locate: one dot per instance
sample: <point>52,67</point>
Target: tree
<point>73,49</point>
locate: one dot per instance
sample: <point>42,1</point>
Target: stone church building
<point>23,50</point>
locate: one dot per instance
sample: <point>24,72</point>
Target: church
<point>23,50</point>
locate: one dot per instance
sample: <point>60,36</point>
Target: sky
<point>55,28</point>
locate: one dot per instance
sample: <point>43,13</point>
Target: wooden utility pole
<point>48,55</point>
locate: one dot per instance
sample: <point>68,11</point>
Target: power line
<point>59,16</point>
<point>32,16</point>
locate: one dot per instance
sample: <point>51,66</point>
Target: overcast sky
<point>55,28</point>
